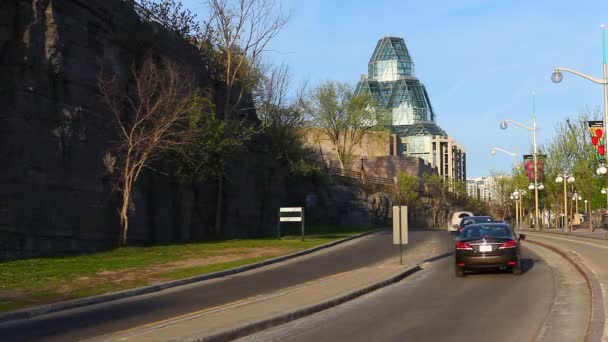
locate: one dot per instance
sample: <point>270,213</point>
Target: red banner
<point>596,129</point>
<point>529,166</point>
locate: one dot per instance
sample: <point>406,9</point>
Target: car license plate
<point>485,248</point>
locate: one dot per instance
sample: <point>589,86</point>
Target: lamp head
<point>580,198</point>
<point>541,186</point>
<point>557,76</point>
<point>493,152</point>
<point>571,179</point>
<point>531,186</point>
<point>503,124</point>
<point>512,197</point>
<point>559,179</point>
<point>604,191</point>
<point>602,170</point>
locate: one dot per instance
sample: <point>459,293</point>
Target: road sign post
<point>299,211</point>
<point>400,229</point>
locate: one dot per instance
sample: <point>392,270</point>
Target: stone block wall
<point>54,130</point>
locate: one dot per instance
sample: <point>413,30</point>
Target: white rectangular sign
<point>291,210</point>
<point>291,219</point>
<point>400,218</point>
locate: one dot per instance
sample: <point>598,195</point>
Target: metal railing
<point>360,176</point>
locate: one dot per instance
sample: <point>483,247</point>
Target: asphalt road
<point>124,314</point>
<point>434,305</point>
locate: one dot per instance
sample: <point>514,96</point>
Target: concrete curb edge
<point>287,317</point>
<point>595,329</point>
<point>107,297</point>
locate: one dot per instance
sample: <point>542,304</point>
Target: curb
<point>565,234</point>
<point>595,329</point>
<point>287,317</point>
<point>76,303</point>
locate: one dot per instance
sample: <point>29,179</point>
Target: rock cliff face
<point>54,131</point>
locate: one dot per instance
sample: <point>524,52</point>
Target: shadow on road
<point>441,256</point>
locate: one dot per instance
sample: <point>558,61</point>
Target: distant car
<point>473,220</point>
<point>457,216</point>
<point>488,245</point>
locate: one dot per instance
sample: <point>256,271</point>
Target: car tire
<point>516,270</point>
<point>459,272</point>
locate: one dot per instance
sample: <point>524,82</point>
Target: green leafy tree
<point>344,118</point>
<point>209,142</point>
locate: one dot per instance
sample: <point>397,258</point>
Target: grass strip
<point>38,281</point>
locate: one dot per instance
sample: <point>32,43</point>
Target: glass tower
<point>394,87</point>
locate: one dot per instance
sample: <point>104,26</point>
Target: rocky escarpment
<point>54,131</point>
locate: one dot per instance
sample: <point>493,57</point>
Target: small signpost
<point>296,214</point>
<point>400,229</point>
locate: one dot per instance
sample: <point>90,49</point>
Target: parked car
<point>488,245</point>
<point>457,216</point>
<point>465,221</point>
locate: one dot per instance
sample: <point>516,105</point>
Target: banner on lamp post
<point>596,129</point>
<point>529,166</point>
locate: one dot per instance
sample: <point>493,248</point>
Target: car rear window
<point>484,219</point>
<point>479,231</point>
<point>473,220</point>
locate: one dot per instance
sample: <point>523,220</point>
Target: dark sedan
<point>488,245</point>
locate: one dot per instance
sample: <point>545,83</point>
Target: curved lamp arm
<point>504,151</point>
<point>590,78</point>
<point>519,124</point>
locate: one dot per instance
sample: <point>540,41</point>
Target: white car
<point>455,221</point>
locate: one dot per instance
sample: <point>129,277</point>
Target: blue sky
<point>479,59</point>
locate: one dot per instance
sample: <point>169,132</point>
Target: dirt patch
<point>153,274</point>
<point>10,295</point>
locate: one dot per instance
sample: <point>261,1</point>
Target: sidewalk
<point>264,311</point>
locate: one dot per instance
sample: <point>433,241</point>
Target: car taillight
<point>464,246</point>
<point>508,244</point>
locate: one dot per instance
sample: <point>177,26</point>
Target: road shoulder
<point>569,315</point>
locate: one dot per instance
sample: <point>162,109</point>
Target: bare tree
<point>172,15</point>
<point>147,113</point>
<point>241,31</point>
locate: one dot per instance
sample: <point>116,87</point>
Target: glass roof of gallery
<point>393,48</point>
<point>421,128</point>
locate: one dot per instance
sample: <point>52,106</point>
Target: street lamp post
<point>557,77</point>
<point>513,154</point>
<point>514,198</point>
<point>565,178</point>
<point>536,186</point>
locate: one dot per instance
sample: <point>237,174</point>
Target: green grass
<point>38,280</point>
<point>187,272</point>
